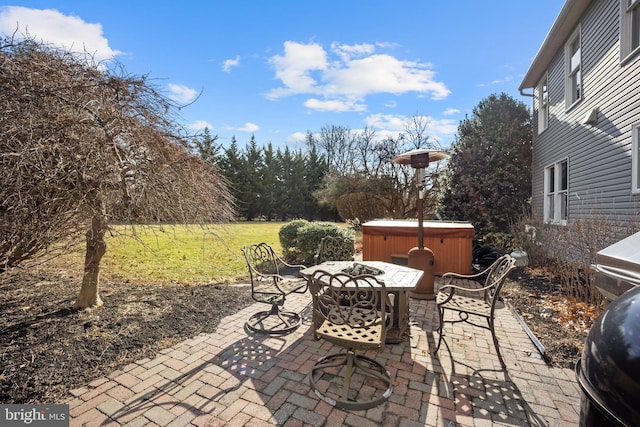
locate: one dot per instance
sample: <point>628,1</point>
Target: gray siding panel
<point>599,156</point>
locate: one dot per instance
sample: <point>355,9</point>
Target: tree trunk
<point>96,248</point>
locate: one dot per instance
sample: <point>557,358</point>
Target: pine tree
<point>489,172</point>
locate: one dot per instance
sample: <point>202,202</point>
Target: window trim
<point>635,159</point>
<point>568,79</point>
<point>543,103</point>
<point>627,51</point>
<point>556,194</point>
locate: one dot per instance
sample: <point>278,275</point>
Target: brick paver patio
<point>234,378</point>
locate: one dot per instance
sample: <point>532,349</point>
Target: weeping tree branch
<point>84,145</point>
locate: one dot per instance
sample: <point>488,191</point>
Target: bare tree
<point>83,145</point>
<point>416,133</point>
<point>364,182</point>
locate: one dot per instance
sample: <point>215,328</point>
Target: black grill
<point>609,371</point>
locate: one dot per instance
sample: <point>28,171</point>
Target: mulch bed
<point>47,349</point>
<point>559,324</point>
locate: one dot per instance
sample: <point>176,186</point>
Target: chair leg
<point>441,327</point>
<point>347,375</point>
<point>351,363</point>
<point>260,322</point>
<point>495,341</point>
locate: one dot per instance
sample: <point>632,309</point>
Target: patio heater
<point>419,257</point>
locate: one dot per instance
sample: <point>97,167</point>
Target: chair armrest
<point>453,288</point>
<point>465,276</point>
<point>299,266</point>
<point>276,278</point>
<point>450,291</point>
<point>286,264</point>
<point>449,277</point>
<point>270,276</point>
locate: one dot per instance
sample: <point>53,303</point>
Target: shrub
<point>289,236</point>
<point>569,251</point>
<point>300,238</point>
<point>309,237</point>
<point>501,240</point>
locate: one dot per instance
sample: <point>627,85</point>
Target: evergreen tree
<point>489,172</point>
<point>283,160</point>
<point>315,169</point>
<point>231,166</point>
<point>297,187</point>
<point>270,183</point>
<point>293,187</point>
<point>208,147</point>
<point>252,189</point>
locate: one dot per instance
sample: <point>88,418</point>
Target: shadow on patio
<point>232,377</point>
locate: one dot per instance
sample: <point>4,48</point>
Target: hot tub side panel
<point>452,247</point>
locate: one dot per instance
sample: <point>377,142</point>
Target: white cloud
<point>297,137</point>
<point>181,93</point>
<point>346,52</point>
<point>249,127</point>
<point>294,68</point>
<point>335,105</point>
<point>349,75</point>
<point>63,31</point>
<point>506,79</point>
<point>383,74</point>
<point>443,128</point>
<point>387,121</point>
<point>230,63</point>
<point>200,125</point>
<point>450,112</point>
<point>391,125</point>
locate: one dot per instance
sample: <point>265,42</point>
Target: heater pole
<point>419,207</point>
<point>420,257</point>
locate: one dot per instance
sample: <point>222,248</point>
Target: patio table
<point>398,280</point>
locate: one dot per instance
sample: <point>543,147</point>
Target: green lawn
<point>179,254</point>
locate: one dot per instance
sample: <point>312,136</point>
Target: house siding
<point>599,156</point>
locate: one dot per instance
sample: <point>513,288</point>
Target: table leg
<point>400,323</point>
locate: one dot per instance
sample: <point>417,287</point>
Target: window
<point>635,158</point>
<point>573,84</point>
<point>629,27</point>
<point>556,193</point>
<point>543,104</point>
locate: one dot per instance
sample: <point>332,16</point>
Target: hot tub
<point>391,240</point>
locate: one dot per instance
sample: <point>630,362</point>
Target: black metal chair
<point>354,312</point>
<point>272,279</point>
<point>478,301</point>
<point>334,249</point>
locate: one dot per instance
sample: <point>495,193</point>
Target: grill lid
<point>618,267</point>
<point>609,370</point>
<point>621,258</point>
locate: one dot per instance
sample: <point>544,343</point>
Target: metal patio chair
<point>354,312</point>
<point>479,302</point>
<point>334,249</point>
<point>272,279</point>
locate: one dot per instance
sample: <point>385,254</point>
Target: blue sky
<point>277,69</point>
